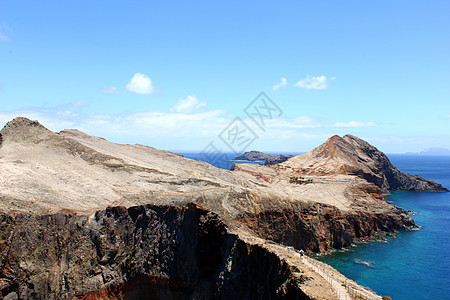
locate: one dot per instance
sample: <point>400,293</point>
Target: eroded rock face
<point>277,159</point>
<point>58,240</point>
<point>320,228</point>
<point>142,252</point>
<point>353,156</point>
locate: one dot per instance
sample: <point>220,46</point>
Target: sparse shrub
<point>299,180</point>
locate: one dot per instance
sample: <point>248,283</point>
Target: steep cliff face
<point>351,155</point>
<point>142,252</point>
<point>58,241</point>
<point>320,228</point>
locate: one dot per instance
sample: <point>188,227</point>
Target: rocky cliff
<point>143,252</point>
<point>320,228</point>
<point>353,156</point>
<point>45,173</point>
<point>59,239</point>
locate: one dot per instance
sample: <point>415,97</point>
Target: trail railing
<point>344,288</point>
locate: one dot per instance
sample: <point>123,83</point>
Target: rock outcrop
<point>277,159</point>
<point>83,217</point>
<point>322,228</point>
<point>143,252</point>
<point>353,156</point>
<point>268,159</point>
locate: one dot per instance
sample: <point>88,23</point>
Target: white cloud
<point>112,90</point>
<point>281,84</point>
<point>354,124</point>
<point>448,117</point>
<point>306,122</point>
<point>155,125</point>
<point>294,123</point>
<point>313,83</point>
<point>184,119</point>
<point>188,105</point>
<point>149,124</point>
<point>187,125</point>
<point>140,84</point>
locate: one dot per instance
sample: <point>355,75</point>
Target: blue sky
<point>173,75</point>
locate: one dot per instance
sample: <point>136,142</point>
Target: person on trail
<point>301,252</point>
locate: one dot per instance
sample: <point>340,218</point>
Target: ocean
<point>414,264</point>
<point>224,160</point>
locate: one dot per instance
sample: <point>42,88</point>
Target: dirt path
<point>323,281</point>
<point>345,288</point>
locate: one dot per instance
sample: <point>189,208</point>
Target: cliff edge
<point>110,219</point>
<point>354,156</point>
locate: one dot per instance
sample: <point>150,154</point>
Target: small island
<point>268,159</point>
<point>435,151</point>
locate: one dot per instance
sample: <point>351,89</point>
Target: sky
<point>175,75</point>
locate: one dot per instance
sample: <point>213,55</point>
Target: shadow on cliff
<point>143,252</point>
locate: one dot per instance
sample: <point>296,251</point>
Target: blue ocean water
<point>415,264</point>
<point>224,160</point>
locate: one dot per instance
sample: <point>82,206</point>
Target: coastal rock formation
<point>81,216</point>
<point>143,252</point>
<point>277,159</point>
<point>353,156</point>
<point>321,228</point>
<point>268,159</point>
<point>73,172</point>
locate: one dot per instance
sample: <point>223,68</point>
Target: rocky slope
<point>268,159</point>
<point>277,159</point>
<point>353,156</point>
<point>55,189</point>
<point>143,252</point>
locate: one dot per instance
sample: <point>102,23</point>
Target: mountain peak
<point>335,139</point>
<point>20,122</point>
<point>22,129</point>
<point>353,156</point>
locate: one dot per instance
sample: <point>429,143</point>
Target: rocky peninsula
<point>268,159</point>
<point>84,218</point>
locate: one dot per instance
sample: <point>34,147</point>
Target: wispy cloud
<point>354,124</point>
<point>140,84</point>
<point>180,121</point>
<point>187,120</point>
<point>300,122</point>
<point>112,90</point>
<point>313,83</point>
<point>188,105</point>
<point>281,84</point>
<point>448,117</point>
